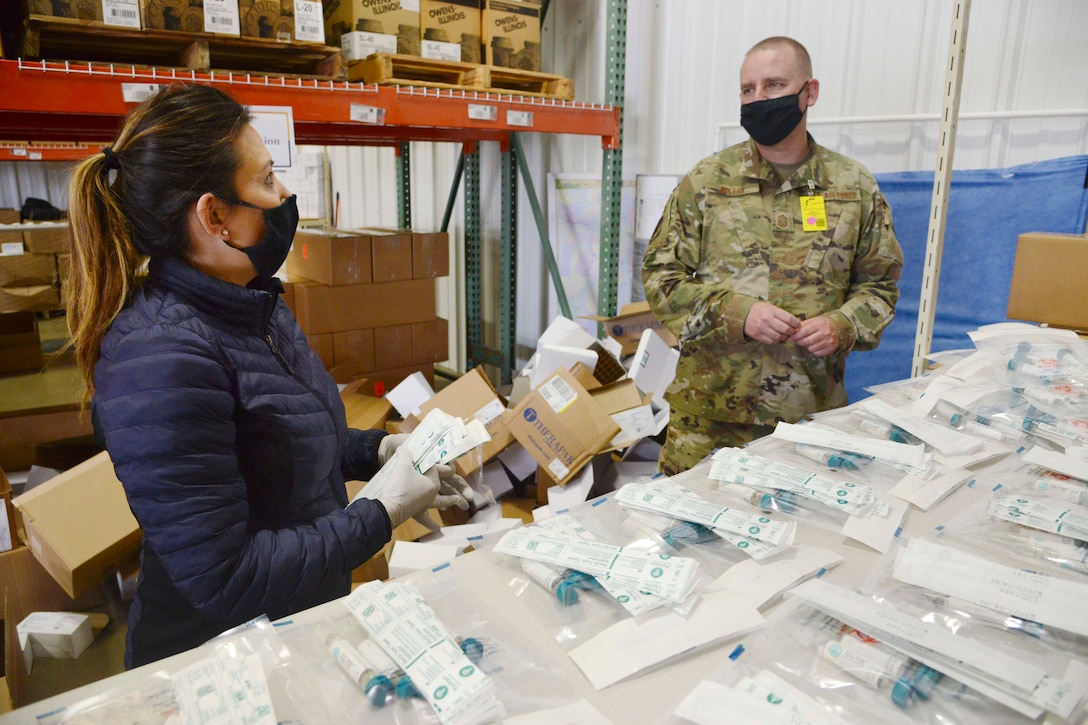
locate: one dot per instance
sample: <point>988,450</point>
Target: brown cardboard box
<point>391,251</point>
<point>78,9</point>
<point>78,524</point>
<point>431,341</point>
<point>11,242</point>
<point>355,346</point>
<point>34,297</point>
<point>626,327</point>
<point>10,540</point>
<point>472,396</point>
<point>511,30</point>
<point>1050,280</point>
<point>320,308</point>
<point>323,346</point>
<point>48,238</point>
<point>388,26</point>
<point>20,346</point>
<point>30,588</point>
<point>330,257</point>
<point>365,411</point>
<point>451,30</point>
<point>561,426</point>
<point>186,16</point>
<point>267,19</point>
<point>393,347</point>
<point>430,254</point>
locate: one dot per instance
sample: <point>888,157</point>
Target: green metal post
<point>612,167</point>
<point>474,325</point>
<point>541,227</point>
<point>404,186</point>
<point>508,264</point>
<point>452,199</point>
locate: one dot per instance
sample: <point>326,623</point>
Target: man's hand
<point>769,324</point>
<point>818,335</point>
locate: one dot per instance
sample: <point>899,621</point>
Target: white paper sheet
<point>925,493</point>
<point>761,582</point>
<point>634,644</point>
<point>877,532</point>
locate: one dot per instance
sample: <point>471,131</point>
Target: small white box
<point>409,394</point>
<point>60,635</point>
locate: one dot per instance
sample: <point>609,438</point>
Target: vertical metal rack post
<point>404,185</point>
<point>612,165</point>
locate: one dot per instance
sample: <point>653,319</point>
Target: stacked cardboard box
<point>366,301</point>
<point>29,263</point>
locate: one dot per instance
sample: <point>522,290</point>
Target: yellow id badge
<point>813,214</point>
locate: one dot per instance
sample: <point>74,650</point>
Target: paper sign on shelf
<point>276,125</point>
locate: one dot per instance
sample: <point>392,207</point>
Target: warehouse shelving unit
<point>63,111</point>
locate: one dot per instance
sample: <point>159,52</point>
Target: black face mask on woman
<point>280,223</point>
<point>771,120</point>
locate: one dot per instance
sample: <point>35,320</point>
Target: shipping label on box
<point>561,426</point>
<point>451,30</point>
<point>1050,280</point>
<point>511,30</point>
<point>396,20</point>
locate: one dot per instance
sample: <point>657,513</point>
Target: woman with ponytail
<point>223,426</point>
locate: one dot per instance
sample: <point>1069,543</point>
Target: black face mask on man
<point>771,120</point>
<point>280,223</point>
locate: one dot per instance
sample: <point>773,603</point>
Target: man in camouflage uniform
<point>772,261</point>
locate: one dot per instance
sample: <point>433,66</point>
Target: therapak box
<point>561,425</point>
<point>451,30</point>
<point>1050,280</point>
<point>626,328</point>
<point>511,30</point>
<point>363,27</point>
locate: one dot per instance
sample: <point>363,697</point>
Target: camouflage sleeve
<point>874,288</point>
<point>688,306</point>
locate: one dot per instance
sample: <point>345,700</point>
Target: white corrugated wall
<point>874,58</point>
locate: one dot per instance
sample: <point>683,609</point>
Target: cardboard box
<point>60,635</point>
<point>78,524</point>
<point>511,30</point>
<point>78,9</point>
<point>276,19</point>
<point>9,540</point>
<point>186,16</point>
<point>11,241</point>
<point>393,347</point>
<point>626,327</point>
<point>20,345</point>
<point>330,257</point>
<point>362,27</point>
<point>48,238</point>
<point>430,254</point>
<point>323,346</point>
<point>1050,280</point>
<point>356,347</point>
<point>365,412</point>
<point>561,426</point>
<point>472,396</point>
<point>451,30</point>
<point>320,308</point>
<point>391,251</point>
<point>29,298</point>
<point>15,674</point>
<point>431,341</point>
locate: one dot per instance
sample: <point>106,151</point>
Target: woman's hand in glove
<point>388,445</point>
<point>405,491</point>
<point>454,490</point>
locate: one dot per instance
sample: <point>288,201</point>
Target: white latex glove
<point>388,445</point>
<point>454,490</point>
<point>405,491</point>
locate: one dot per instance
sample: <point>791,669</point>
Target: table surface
<point>483,583</point>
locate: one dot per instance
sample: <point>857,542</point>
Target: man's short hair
<point>778,41</point>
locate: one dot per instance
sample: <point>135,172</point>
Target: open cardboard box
<point>78,524</point>
<point>627,327</point>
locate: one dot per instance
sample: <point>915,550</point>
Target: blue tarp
<point>987,211</point>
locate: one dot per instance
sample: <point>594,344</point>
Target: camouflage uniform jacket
<point>731,234</point>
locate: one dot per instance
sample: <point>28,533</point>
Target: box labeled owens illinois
<point>511,30</point>
<point>451,30</point>
<point>363,27</point>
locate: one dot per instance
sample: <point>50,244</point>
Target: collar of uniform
<point>756,167</point>
<point>243,307</point>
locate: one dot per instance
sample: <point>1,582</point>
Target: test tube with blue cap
<point>688,532</point>
<point>905,680</point>
<point>833,459</point>
<point>888,431</point>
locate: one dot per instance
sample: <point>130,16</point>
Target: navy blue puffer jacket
<point>232,445</point>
